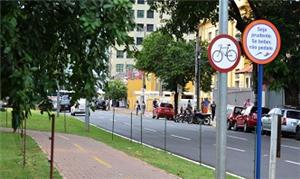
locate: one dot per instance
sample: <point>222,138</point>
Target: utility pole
<point>197,71</point>
<point>222,99</point>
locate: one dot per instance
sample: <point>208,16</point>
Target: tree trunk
<point>292,95</point>
<point>176,102</point>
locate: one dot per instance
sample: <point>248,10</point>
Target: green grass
<point>11,163</point>
<point>160,159</point>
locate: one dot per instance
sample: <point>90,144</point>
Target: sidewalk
<point>82,157</point>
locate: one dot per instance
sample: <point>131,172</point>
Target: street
<point>184,140</point>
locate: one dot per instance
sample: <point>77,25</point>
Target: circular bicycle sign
<point>261,41</point>
<point>224,53</point>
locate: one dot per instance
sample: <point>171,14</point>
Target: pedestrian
<point>155,105</point>
<point>247,103</point>
<point>213,110</point>
<point>137,107</point>
<point>143,107</point>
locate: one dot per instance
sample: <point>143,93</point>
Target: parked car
<point>289,120</point>
<point>297,136</point>
<point>101,104</point>
<point>247,119</point>
<point>78,107</point>
<point>164,110</point>
<point>232,113</point>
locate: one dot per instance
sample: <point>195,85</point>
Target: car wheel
<point>297,136</point>
<point>72,114</point>
<point>228,125</point>
<point>246,128</point>
<point>235,128</point>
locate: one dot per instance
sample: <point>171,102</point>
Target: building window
<point>237,84</point>
<point>139,27</point>
<point>150,14</point>
<point>140,13</point>
<point>132,13</point>
<point>141,1</point>
<point>209,36</point>
<point>139,40</point>
<point>217,32</point>
<point>119,68</point>
<point>129,67</point>
<point>120,54</point>
<point>150,27</point>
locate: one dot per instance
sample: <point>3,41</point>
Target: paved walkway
<point>82,157</point>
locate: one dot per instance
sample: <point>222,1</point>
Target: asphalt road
<point>187,140</point>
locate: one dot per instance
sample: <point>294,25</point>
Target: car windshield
<point>238,110</point>
<point>167,105</point>
<point>293,114</point>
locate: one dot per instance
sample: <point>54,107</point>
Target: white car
<point>290,119</point>
<point>78,107</point>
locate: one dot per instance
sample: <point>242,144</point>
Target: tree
<point>283,72</point>
<point>115,90</point>
<point>46,45</point>
<point>172,61</point>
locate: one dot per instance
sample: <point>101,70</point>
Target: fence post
<point>141,128</point>
<point>52,146</point>
<point>165,141</point>
<point>65,125</point>
<point>113,125</point>
<point>200,142</point>
<point>131,127</point>
<point>6,116</point>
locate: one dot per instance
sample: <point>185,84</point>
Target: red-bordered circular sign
<point>224,53</point>
<point>261,41</point>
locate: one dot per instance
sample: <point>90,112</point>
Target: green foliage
<point>172,61</point>
<point>115,90</point>
<point>46,45</point>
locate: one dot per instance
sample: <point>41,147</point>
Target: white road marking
<point>235,149</point>
<point>292,162</point>
<point>63,137</point>
<point>291,147</point>
<point>148,129</point>
<point>235,137</point>
<point>184,138</point>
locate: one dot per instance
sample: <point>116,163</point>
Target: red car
<point>164,110</point>
<point>247,120</point>
<point>232,113</point>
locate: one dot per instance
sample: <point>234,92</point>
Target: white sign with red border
<point>261,41</point>
<point>224,53</point>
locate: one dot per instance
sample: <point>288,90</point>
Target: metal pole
<point>131,127</point>
<point>278,135</point>
<point>141,128</point>
<point>222,96</point>
<point>52,146</point>
<point>258,121</point>
<point>273,145</point>
<point>65,123</point>
<point>113,125</point>
<point>87,116</point>
<point>24,155</point>
<point>197,72</point>
<point>165,139</point>
<point>200,140</point>
<point>6,116</point>
<point>58,100</point>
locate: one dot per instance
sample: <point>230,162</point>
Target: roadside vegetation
<point>37,165</point>
<point>160,159</point>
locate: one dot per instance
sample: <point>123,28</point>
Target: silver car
<point>289,120</point>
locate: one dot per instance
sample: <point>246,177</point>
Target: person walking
<point>247,103</point>
<point>137,107</point>
<point>213,110</point>
<point>143,107</point>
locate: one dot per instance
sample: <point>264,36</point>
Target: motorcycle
<point>202,118</point>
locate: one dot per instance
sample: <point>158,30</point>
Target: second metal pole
<point>165,140</point>
<point>141,128</point>
<point>258,121</point>
<point>113,125</point>
<point>131,127</point>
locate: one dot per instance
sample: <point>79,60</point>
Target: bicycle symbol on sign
<point>219,54</point>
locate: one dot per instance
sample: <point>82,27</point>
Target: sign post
<point>261,43</point>
<point>224,55</point>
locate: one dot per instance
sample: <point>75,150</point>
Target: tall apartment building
<point>147,21</point>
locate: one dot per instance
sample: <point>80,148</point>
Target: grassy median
<point>160,159</point>
<point>11,163</point>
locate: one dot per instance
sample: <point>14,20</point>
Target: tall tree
<point>283,72</point>
<point>115,90</point>
<point>172,61</point>
<point>50,44</point>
